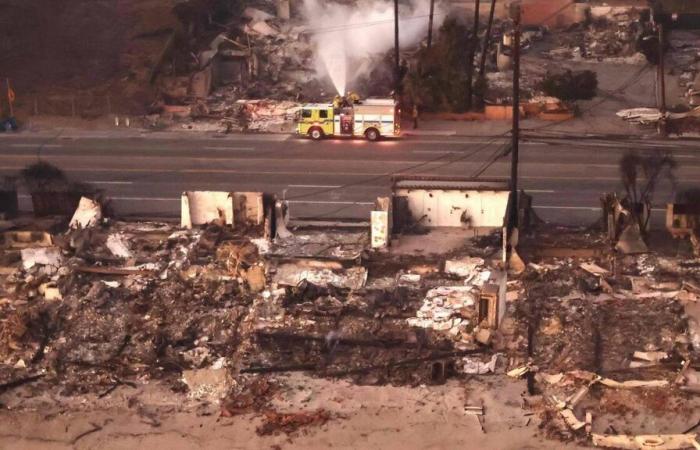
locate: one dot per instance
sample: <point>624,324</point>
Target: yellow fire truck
<point>370,118</point>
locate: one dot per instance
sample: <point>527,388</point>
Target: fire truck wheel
<point>372,134</point>
<point>316,133</point>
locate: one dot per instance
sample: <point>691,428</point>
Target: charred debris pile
<point>221,307</point>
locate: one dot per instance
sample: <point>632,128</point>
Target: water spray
<point>347,36</point>
<point>335,63</point>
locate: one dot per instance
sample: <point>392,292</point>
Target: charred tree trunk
<point>487,41</point>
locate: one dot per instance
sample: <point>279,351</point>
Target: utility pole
<point>472,51</point>
<point>661,81</point>
<point>660,70</point>
<point>397,69</point>
<point>516,114</point>
<point>487,41</point>
<point>430,23</point>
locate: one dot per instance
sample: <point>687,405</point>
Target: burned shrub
<point>640,175</point>
<point>689,196</point>
<point>8,197</point>
<point>43,176</point>
<point>52,192</point>
<point>439,81</point>
<point>580,85</point>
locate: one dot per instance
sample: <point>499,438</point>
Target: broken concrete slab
<point>88,214</point>
<point>474,366</point>
<point>293,274</point>
<point>380,229</point>
<point>317,245</point>
<point>449,309</point>
<point>211,384</point>
<point>42,256</point>
<point>50,291</point>
<point>464,267</point>
<point>24,239</point>
<point>117,244</point>
<point>646,442</point>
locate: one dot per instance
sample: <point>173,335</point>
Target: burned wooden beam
<point>121,271</point>
<point>274,369</point>
<point>352,342</point>
<point>19,382</point>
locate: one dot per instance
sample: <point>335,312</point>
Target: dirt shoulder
<point>360,417</point>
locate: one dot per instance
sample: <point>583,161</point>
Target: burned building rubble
<point>220,306</point>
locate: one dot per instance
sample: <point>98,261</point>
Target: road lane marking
<point>184,137</point>
<point>147,199</point>
<point>329,174</point>
<point>585,208</point>
<point>109,182</point>
<point>540,191</point>
<point>431,151</point>
<point>243,149</point>
<point>131,199</point>
<point>582,208</point>
<point>322,202</point>
<point>407,163</point>
<point>314,186</point>
<point>173,199</point>
<point>36,145</point>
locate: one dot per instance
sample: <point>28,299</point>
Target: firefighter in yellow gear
<point>337,102</point>
<point>353,98</point>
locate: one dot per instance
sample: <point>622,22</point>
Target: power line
<point>396,172</point>
<point>463,157</point>
<point>496,156</point>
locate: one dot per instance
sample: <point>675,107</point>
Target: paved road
<point>144,175</point>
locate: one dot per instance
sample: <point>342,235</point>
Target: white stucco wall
<point>444,208</point>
